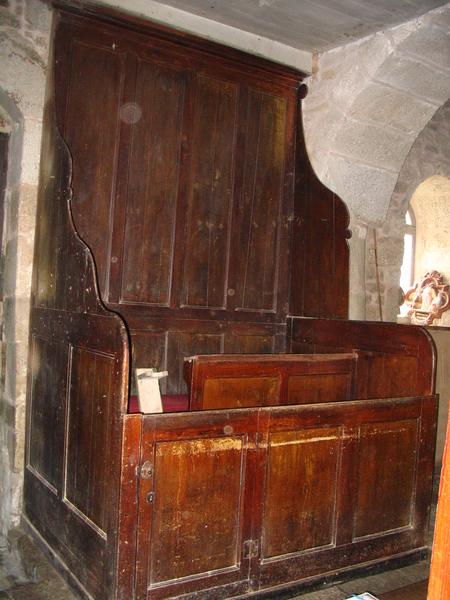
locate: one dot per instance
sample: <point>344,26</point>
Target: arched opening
<point>430,203</point>
<point>407,270</point>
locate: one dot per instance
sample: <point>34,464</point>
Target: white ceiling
<point>311,25</point>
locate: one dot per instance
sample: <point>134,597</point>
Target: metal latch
<point>251,548</point>
<point>146,470</point>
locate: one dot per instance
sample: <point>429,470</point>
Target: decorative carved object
<point>428,299</point>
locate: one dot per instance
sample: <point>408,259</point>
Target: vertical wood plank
<point>301,489</point>
<point>155,117</point>
<point>386,472</point>
<point>88,431</point>
<point>94,147</point>
<point>258,218</point>
<point>48,363</point>
<point>181,345</point>
<point>210,193</point>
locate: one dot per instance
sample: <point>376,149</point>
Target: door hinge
<point>251,548</point>
<point>146,470</point>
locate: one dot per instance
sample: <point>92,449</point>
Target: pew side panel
<point>319,272</point>
<point>393,360</point>
<point>78,377</point>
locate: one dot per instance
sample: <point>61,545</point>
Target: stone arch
<point>368,101</point>
<point>428,157</point>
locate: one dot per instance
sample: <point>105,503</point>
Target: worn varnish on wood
<point>179,216</point>
<point>244,380</point>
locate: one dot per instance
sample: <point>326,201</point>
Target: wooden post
<point>439,586</point>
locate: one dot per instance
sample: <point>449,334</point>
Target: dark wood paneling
<point>190,537</point>
<point>393,360</point>
<point>167,344</point>
<point>320,267</point>
<point>210,193</point>
<point>152,183</point>
<point>250,344</point>
<point>182,344</point>
<point>205,468</point>
<point>125,559</point>
<point>300,496</point>
<point>89,422</point>
<point>391,375</point>
<point>192,532</point>
<point>323,387</point>
<point>238,392</point>
<point>258,215</point>
<point>91,129</point>
<point>304,479</point>
<point>48,366</point>
<point>66,311</point>
<point>237,380</point>
<point>353,478</point>
<point>387,466</point>
<point>149,350</point>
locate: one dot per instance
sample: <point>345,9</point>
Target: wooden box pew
<point>183,219</point>
<point>252,488</point>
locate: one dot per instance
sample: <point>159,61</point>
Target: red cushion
<point>170,402</point>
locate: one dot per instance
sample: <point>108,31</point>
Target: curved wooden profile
<point>320,273</point>
<point>78,386</point>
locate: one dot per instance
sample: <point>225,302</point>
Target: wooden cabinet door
<point>195,494</point>
<point>342,485</point>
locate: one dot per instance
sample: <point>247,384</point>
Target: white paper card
<point>364,596</point>
<point>149,395</point>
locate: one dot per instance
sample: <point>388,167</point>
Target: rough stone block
<point>32,144</point>
<point>7,19</point>
<point>367,190</point>
<point>411,75</point>
<point>373,145</point>
<point>22,75</point>
<point>10,268</point>
<point>430,42</point>
<point>439,17</point>
<point>22,317</point>
<point>385,105</point>
<point>38,15</point>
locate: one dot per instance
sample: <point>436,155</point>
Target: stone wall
<point>367,103</point>
<point>24,39</point>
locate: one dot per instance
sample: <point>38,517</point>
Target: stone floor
<point>26,574</point>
